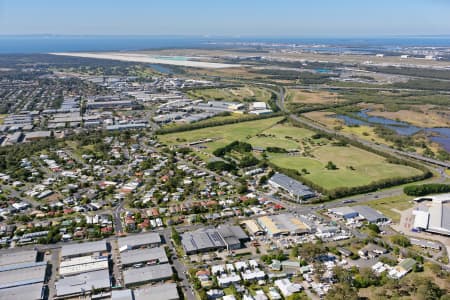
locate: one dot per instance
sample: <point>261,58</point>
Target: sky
<point>299,18</point>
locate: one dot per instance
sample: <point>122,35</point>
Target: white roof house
<point>287,288</point>
<point>218,269</point>
<point>226,280</point>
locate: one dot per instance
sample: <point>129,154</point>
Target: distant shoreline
<point>38,44</point>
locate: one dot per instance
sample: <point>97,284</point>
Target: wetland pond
<point>438,135</point>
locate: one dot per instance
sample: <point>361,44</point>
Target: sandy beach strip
<point>142,58</point>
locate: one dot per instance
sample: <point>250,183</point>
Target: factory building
<point>253,227</point>
<point>204,240</point>
<point>362,212</point>
<point>155,273</point>
<point>166,291</point>
<point>284,224</point>
<point>151,239</point>
<point>433,214</point>
<point>294,188</point>
<point>82,284</point>
<point>83,249</point>
<point>148,256</point>
<point>21,275</point>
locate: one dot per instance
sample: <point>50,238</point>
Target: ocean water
<point>44,44</point>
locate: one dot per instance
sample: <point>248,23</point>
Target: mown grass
<point>355,166</point>
<point>223,135</point>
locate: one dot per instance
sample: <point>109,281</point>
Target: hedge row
<point>214,123</point>
<point>426,189</point>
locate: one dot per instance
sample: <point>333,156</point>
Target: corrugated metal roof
<point>83,283</point>
<point>122,295</point>
<point>17,257</point>
<point>137,240</point>
<point>29,292</point>
<point>83,248</point>
<point>22,266</point>
<point>252,226</point>
<point>161,292</point>
<point>421,219</point>
<point>291,185</point>
<point>142,255</point>
<point>19,277</point>
<point>282,224</point>
<point>369,213</point>
<point>146,274</point>
<point>202,239</point>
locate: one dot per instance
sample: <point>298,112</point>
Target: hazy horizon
<point>284,18</point>
<point>234,36</point>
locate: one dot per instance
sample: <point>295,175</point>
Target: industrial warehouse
<point>155,255</point>
<point>151,239</point>
<point>22,276</point>
<point>432,214</point>
<point>167,291</point>
<point>284,224</point>
<point>83,267</point>
<point>155,273</point>
<point>82,283</point>
<point>75,250</point>
<point>294,188</point>
<point>362,212</point>
<point>204,240</point>
<point>87,266</point>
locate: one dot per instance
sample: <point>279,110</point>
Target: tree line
<point>214,123</point>
<point>426,189</point>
